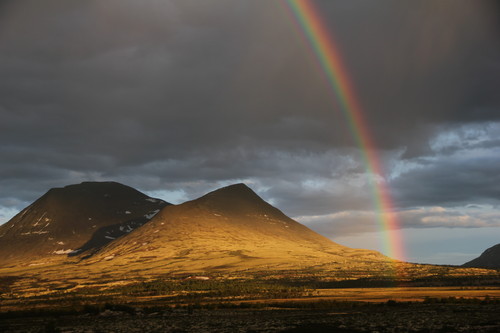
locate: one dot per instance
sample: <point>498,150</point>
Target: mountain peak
<point>236,186</point>
<point>95,186</point>
<point>238,199</point>
<point>105,193</point>
<point>234,189</point>
<point>233,192</point>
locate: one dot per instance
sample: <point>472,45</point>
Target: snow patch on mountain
<point>126,228</point>
<point>152,214</point>
<point>63,251</point>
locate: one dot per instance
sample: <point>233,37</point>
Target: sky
<point>180,97</point>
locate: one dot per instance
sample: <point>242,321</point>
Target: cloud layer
<point>181,97</point>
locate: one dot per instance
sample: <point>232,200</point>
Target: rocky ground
<point>414,317</point>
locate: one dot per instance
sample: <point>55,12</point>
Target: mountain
<point>76,219</point>
<point>230,229</point>
<point>109,229</point>
<point>488,259</point>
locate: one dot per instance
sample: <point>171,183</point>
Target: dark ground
<point>399,317</point>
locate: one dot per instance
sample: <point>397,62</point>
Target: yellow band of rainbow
<point>326,51</point>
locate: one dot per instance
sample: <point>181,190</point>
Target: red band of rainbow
<point>326,51</point>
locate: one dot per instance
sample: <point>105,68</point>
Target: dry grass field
<point>72,297</point>
<point>70,284</point>
<point>437,309</point>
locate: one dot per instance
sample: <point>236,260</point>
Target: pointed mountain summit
<point>229,229</point>
<point>75,219</point>
<point>488,259</point>
<point>237,199</point>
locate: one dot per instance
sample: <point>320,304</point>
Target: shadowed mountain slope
<point>488,259</point>
<point>74,219</point>
<point>228,229</point>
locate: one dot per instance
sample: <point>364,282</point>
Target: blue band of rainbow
<point>326,51</point>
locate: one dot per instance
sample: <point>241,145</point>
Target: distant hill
<point>488,259</point>
<point>76,219</point>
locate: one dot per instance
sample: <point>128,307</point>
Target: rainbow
<point>326,51</point>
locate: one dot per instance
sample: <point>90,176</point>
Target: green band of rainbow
<point>325,49</point>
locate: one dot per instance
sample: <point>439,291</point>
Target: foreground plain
<point>430,315</point>
<point>266,304</point>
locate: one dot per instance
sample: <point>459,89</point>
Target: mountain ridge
<point>490,258</point>
<point>228,229</point>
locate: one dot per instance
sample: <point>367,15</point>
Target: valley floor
<point>444,299</point>
<point>363,317</point>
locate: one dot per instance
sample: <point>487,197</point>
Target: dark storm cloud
<point>194,94</point>
<point>461,169</point>
<point>135,88</point>
<point>452,181</point>
<point>420,64</point>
